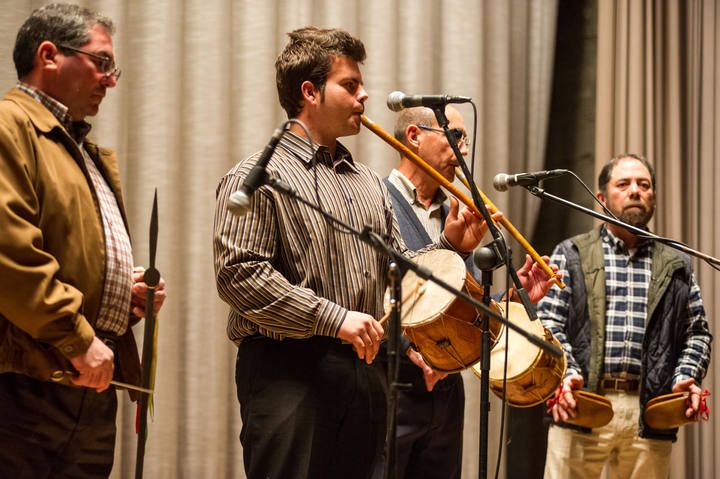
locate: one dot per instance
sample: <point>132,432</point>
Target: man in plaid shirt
<point>632,324</point>
<point>68,291</point>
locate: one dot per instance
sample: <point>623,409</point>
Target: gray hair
<point>412,116</point>
<point>59,23</point>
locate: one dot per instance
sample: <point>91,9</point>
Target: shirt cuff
<point>570,372</point>
<point>682,377</point>
<point>443,242</point>
<point>330,318</point>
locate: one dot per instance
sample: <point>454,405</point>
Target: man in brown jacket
<point>68,290</point>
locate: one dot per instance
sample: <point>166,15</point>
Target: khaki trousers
<point>617,446</point>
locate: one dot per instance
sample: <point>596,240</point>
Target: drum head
<point>425,301</point>
<point>523,353</point>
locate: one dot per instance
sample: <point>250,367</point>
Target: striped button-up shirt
<point>114,314</point>
<point>627,281</point>
<point>285,271</point>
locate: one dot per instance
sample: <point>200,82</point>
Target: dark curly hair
<point>308,57</point>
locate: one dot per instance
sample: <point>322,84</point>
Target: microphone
<point>239,201</point>
<point>502,181</point>
<point>398,100</point>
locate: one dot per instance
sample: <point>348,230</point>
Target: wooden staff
<point>392,141</point>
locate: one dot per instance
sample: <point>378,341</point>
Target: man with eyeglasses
<point>68,289</point>
<point>430,414</point>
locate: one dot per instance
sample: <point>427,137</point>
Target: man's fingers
<point>566,405</point>
<point>369,346</point>
<point>570,401</point>
<point>374,347</point>
<point>454,206</point>
<point>359,347</point>
<point>378,329</point>
<point>695,401</point>
<point>563,414</point>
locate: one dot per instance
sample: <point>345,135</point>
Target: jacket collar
<point>39,115</point>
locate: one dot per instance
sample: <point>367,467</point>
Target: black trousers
<point>430,431</point>
<point>48,430</point>
<point>429,435</point>
<point>310,409</point>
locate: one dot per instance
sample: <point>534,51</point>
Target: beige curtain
<point>198,94</point>
<point>658,77</point>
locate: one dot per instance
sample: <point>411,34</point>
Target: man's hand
<point>431,376</point>
<point>139,293</point>
<point>363,332</point>
<point>534,279</point>
<point>95,366</point>
<point>693,412</point>
<point>465,230</point>
<point>565,406</point>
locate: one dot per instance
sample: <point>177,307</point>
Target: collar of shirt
<point>409,191</point>
<point>301,148</point>
<point>618,246</point>
<point>78,129</point>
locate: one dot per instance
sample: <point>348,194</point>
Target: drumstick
<point>418,284</point>
<point>60,374</point>
<point>131,386</point>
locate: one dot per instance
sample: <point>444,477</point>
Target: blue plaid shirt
<point>627,279</point>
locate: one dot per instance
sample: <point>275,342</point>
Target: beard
<point>637,217</point>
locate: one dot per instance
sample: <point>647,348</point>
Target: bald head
<point>413,116</point>
<point>418,130</point>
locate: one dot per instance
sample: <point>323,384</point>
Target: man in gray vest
<point>632,323</point>
<point>430,415</point>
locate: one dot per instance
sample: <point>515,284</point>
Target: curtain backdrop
<point>658,77</point>
<point>197,95</point>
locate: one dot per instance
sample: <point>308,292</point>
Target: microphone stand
<point>393,370</point>
<point>542,194</point>
<point>499,248</point>
<point>487,260</point>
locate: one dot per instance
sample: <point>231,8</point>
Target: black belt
<point>314,342</point>
<point>626,385</point>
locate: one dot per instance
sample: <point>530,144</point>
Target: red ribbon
<point>703,408</point>
<point>550,403</point>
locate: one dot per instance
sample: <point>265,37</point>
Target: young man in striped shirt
<point>305,294</point>
<point>632,323</point>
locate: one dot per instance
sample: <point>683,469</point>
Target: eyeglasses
<point>105,64</point>
<point>459,134</point>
